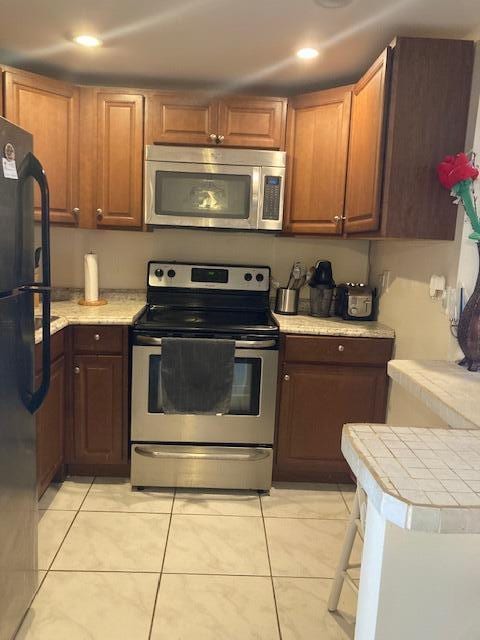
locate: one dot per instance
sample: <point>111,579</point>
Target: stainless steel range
<point>233,450</point>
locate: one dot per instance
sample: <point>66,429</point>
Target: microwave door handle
<point>256,200</point>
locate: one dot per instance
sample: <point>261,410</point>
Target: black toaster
<point>354,301</point>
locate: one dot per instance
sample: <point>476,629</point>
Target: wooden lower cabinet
<point>97,406</point>
<point>50,419</point>
<point>98,441</point>
<point>318,398</point>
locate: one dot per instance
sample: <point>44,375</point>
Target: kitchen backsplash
<point>122,255</point>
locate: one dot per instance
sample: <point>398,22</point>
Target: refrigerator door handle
<point>31,167</point>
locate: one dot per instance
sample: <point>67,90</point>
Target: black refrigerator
<point>19,399</point>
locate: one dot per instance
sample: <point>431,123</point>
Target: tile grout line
<point>161,568</point>
<point>270,567</point>
<point>344,499</point>
<point>70,526</point>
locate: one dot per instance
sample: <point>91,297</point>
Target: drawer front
<point>57,349</point>
<point>201,466</point>
<point>97,339</point>
<point>375,351</point>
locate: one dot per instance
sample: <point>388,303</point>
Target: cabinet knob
<point>220,139</point>
<point>337,219</point>
<point>76,370</point>
<point>99,214</point>
<point>341,347</point>
<point>286,377</point>
<point>213,137</point>
<point>96,337</point>
<point>76,211</point>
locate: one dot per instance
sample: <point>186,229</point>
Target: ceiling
<point>224,44</point>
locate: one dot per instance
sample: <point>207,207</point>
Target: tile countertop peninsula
<point>310,325</point>
<point>420,570</point>
<point>450,391</point>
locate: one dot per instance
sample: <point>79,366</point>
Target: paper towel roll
<point>91,277</point>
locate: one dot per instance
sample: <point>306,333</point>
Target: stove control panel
<point>208,276</point>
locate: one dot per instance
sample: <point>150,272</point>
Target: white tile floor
<point>189,565</point>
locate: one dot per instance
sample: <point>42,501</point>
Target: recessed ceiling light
<point>87,41</point>
<point>307,53</point>
<point>333,4</point>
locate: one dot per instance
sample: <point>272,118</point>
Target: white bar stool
<point>356,525</point>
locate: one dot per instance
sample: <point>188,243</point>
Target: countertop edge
<point>288,325</point>
<point>444,405</point>
<point>401,512</point>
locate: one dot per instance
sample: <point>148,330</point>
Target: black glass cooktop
<point>157,318</point>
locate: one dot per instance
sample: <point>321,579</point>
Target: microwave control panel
<point>271,197</point>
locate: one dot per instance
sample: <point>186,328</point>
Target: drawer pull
<point>96,337</point>
<point>197,453</point>
<point>341,347</point>
<point>76,370</point>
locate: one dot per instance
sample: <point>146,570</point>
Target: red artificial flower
<point>455,169</point>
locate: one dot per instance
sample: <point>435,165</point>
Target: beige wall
<point>421,327</point>
<point>123,255</point>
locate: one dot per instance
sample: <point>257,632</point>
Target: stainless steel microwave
<point>235,189</point>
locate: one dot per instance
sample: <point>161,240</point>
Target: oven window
<point>201,195</point>
<point>245,391</point>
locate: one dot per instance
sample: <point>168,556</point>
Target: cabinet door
<point>118,180</point>
<point>317,146</point>
<point>366,149</point>
<point>180,118</point>
<point>252,122</point>
<point>50,421</point>
<point>48,109</point>
<point>98,409</point>
<point>316,401</point>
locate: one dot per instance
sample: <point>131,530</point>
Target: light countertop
<point>125,307</point>
<point>450,391</point>
<point>420,479</point>
<point>309,325</point>
<point>119,310</point>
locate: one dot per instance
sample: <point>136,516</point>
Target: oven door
<point>201,195</point>
<point>252,414</point>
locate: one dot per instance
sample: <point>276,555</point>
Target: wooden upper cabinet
<point>180,118</point>
<point>118,177</point>
<point>408,111</point>
<point>196,119</point>
<point>366,148</point>
<point>49,109</point>
<point>252,122</point>
<point>317,146</point>
<point>428,114</point>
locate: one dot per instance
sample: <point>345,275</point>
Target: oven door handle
<point>239,344</point>
<point>196,454</point>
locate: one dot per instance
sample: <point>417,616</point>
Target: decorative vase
<point>469,328</point>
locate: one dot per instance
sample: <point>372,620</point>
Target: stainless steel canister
<point>287,301</point>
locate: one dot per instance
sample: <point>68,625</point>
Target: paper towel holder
<point>97,303</point>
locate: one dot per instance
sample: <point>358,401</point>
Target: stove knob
<point>259,277</point>
<point>248,277</point>
<point>171,273</point>
<point>159,273</point>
